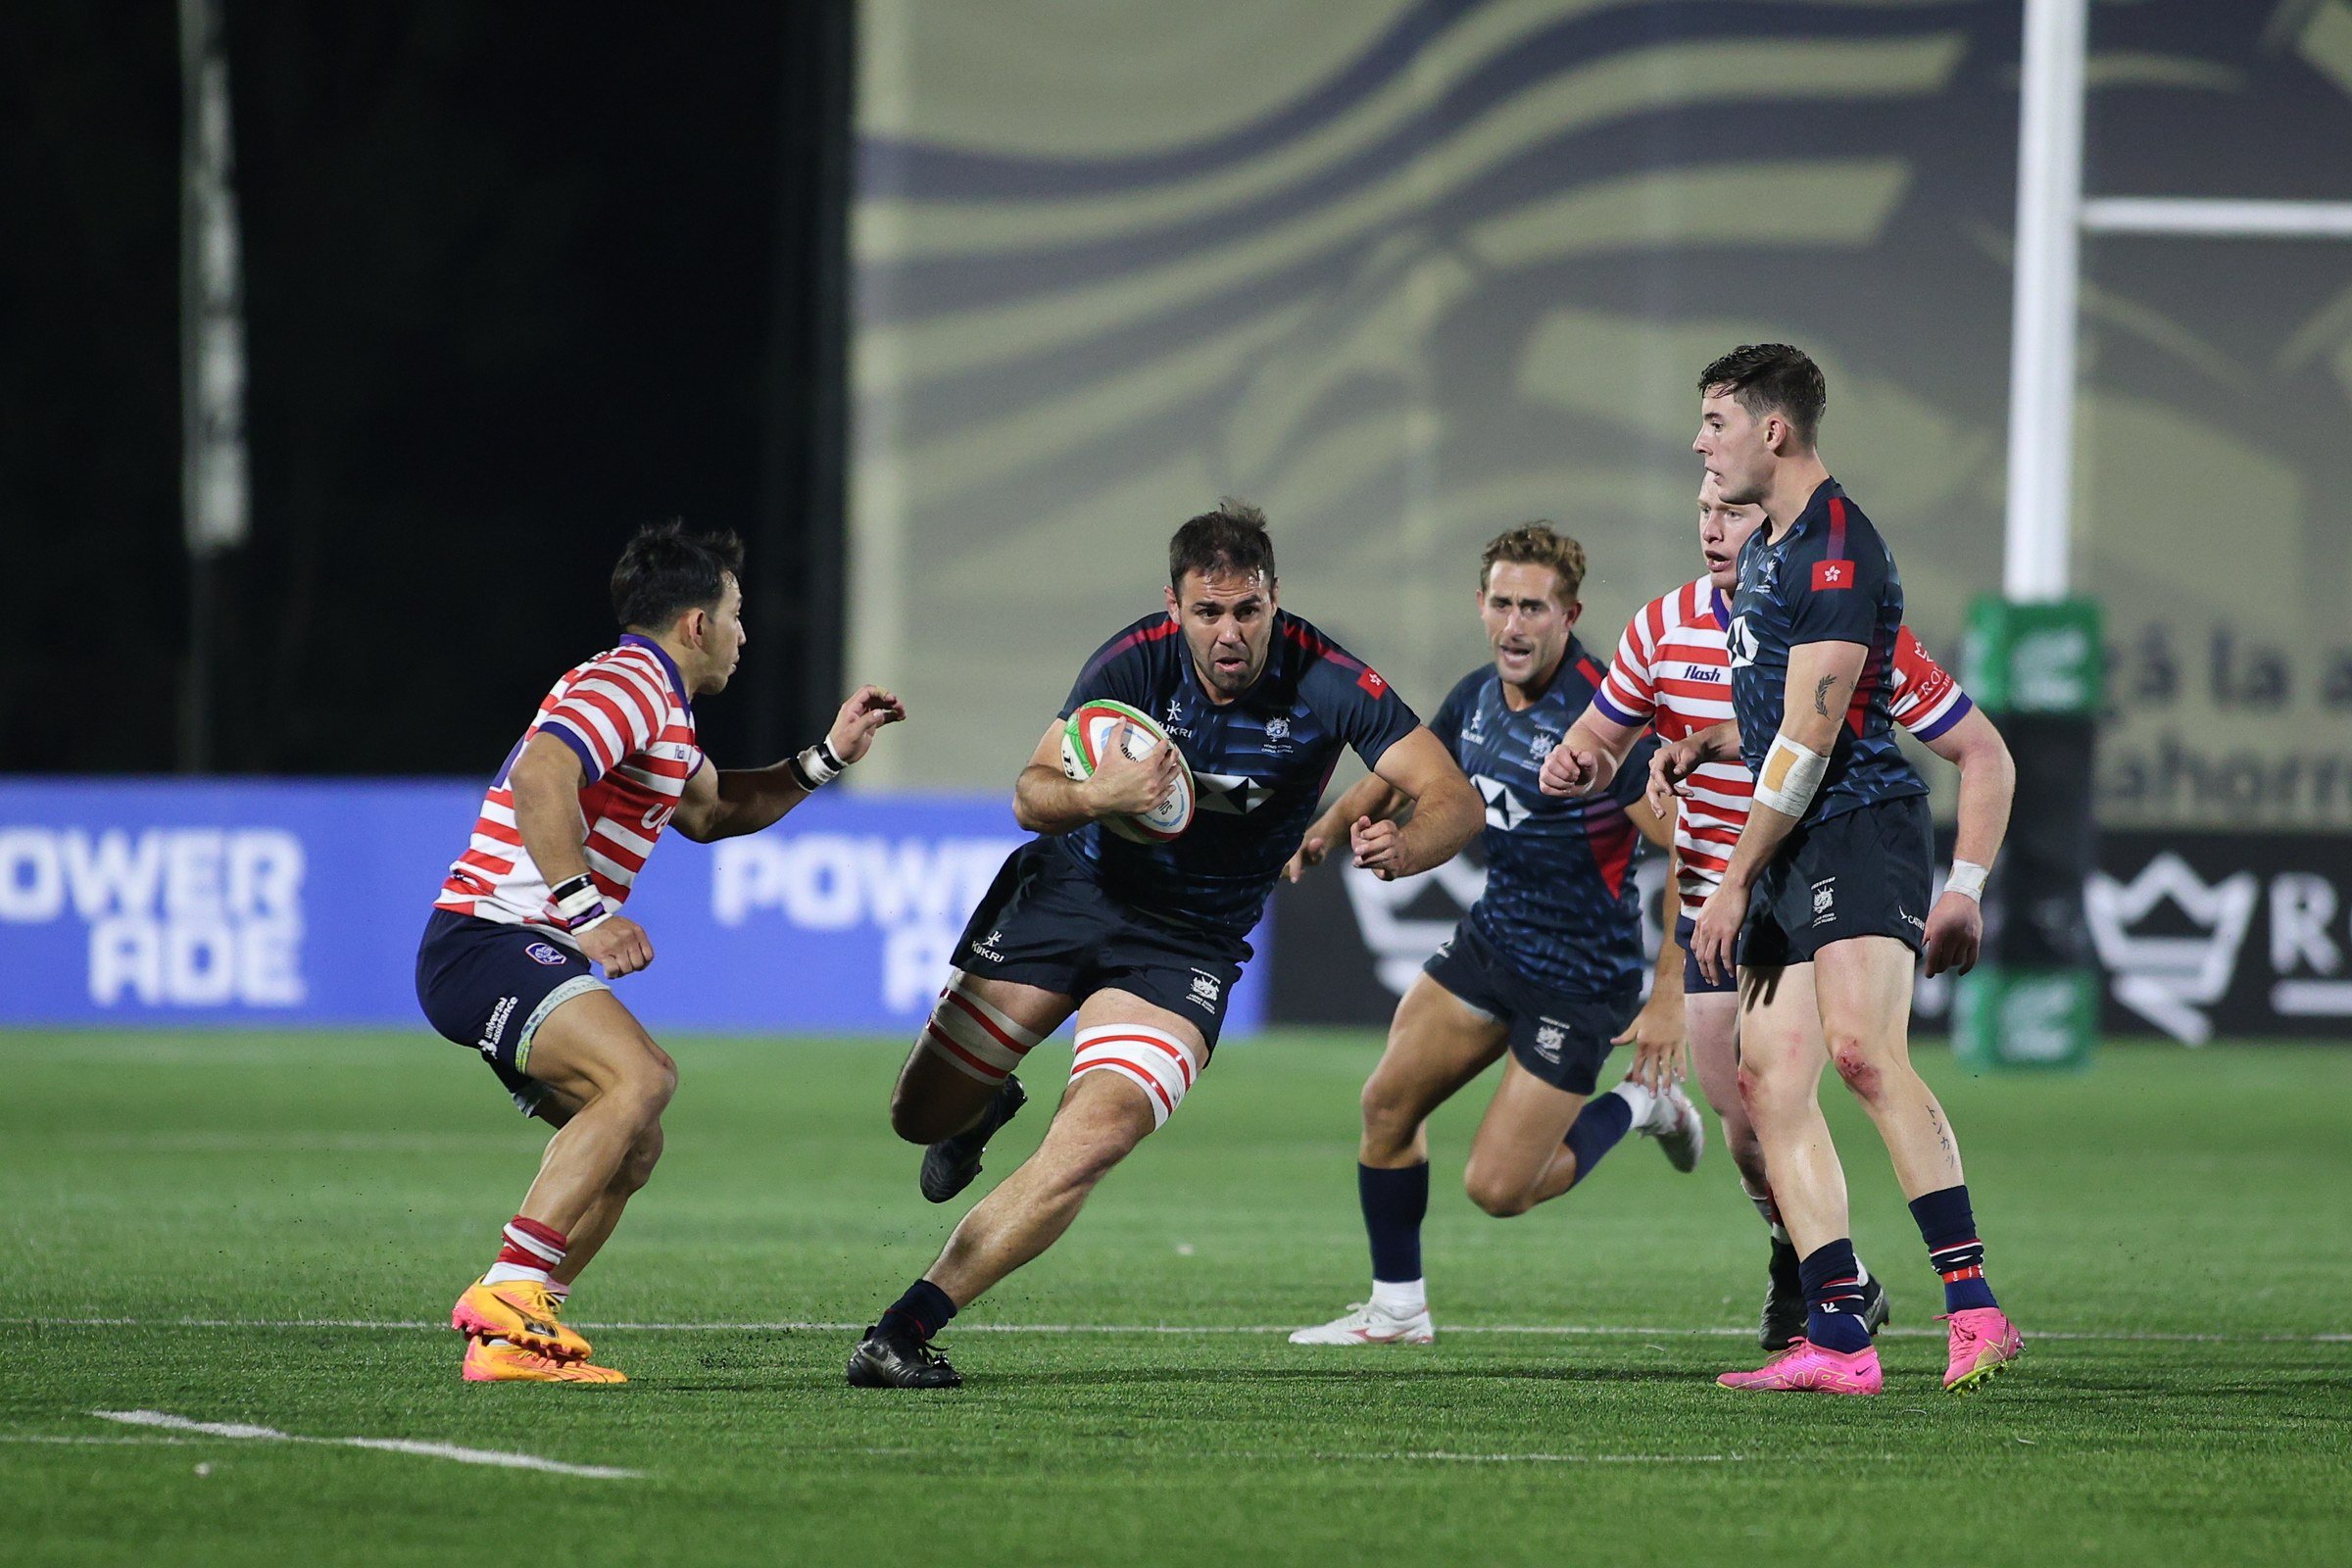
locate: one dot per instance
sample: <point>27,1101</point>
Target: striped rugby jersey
<point>626,714</point>
<point>1672,673</point>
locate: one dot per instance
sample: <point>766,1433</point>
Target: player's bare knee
<point>1861,1075</point>
<point>1497,1191</point>
<point>1391,1122</point>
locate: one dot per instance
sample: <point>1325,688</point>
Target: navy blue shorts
<point>1045,922</point>
<point>490,986</point>
<point>1559,1036</point>
<point>1866,872</point>
<point>1695,980</point>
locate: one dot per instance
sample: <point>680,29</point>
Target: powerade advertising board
<point>242,903</point>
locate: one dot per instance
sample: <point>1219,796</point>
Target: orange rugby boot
<point>523,1312</point>
<point>497,1361</point>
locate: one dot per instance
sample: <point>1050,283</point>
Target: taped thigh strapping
<point>977,1039</point>
<point>1152,1059</point>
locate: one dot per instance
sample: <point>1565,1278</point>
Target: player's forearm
<point>1717,743</point>
<point>1988,787</point>
<point>1759,841</point>
<point>751,799</point>
<point>1666,981</point>
<point>1607,746</point>
<point>1046,801</point>
<point>1447,817</point>
<point>1370,795</point>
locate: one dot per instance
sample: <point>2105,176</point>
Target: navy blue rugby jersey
<point>1830,579</point>
<point>1259,764</point>
<point>1560,901</point>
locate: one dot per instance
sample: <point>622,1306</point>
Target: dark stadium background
<point>517,278</point>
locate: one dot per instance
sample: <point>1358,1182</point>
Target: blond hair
<point>1536,544</point>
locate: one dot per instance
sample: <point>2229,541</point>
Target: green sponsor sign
<point>2034,658</point>
<point>2003,1018</point>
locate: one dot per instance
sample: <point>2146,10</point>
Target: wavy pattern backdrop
<point>1408,271</point>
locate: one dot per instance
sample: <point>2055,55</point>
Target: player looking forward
<point>1672,674</point>
<point>1141,941</point>
<point>1545,969</point>
<point>1825,894</point>
<point>506,964</point>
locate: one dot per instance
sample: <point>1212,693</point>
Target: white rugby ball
<point>1087,739</point>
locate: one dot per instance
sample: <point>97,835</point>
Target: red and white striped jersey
<point>1672,673</point>
<point>626,714</point>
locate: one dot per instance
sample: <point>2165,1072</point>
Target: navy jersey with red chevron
<point>1259,764</point>
<point>1560,903</point>
<point>1830,579</point>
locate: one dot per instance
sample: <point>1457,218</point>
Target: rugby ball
<point>1087,739</point>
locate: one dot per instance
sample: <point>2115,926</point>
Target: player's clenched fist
<point>1955,932</point>
<point>618,945</point>
<point>1123,785</point>
<point>1568,770</point>
<point>860,718</point>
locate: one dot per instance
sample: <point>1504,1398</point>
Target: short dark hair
<point>1769,377</point>
<point>1536,544</point>
<point>665,571</point>
<point>1232,538</point>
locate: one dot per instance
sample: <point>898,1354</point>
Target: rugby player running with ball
<point>531,910</point>
<point>1822,907</point>
<point>1544,973</point>
<point>1141,941</point>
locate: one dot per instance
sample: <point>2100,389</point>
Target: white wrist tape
<point>1967,880</point>
<point>820,764</point>
<point>1790,774</point>
<point>579,905</point>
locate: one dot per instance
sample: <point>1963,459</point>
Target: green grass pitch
<point>265,1229</point>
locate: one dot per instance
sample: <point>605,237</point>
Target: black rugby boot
<point>950,1164</point>
<point>897,1360</point>
<point>1784,1301</point>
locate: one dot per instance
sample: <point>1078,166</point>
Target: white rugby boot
<point>1677,1125</point>
<point>1369,1324</point>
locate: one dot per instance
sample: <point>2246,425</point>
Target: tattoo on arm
<point>1820,695</point>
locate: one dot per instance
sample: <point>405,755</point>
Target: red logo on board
<point>1371,682</point>
<point>1833,574</point>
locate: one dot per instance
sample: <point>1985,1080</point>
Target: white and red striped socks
<point>530,1251</point>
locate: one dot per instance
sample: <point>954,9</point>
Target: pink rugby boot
<point>1984,1340</point>
<point>1815,1369</point>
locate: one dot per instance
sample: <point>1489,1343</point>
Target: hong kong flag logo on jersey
<point>1371,682</point>
<point>1833,574</point>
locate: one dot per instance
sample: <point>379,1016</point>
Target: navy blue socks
<point>1395,1203</point>
<point>1949,1228</point>
<point>1596,1130</point>
<point>1833,1297</point>
<point>922,1311</point>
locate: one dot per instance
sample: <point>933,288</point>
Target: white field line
<point>500,1457</point>
<point>798,1326</point>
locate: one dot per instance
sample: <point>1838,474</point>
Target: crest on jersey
<point>1278,728</point>
<point>1825,900</point>
<point>1551,1036</point>
<point>1540,743</point>
<point>1206,989</point>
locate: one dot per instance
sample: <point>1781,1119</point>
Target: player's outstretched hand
<point>1661,1050</point>
<point>1379,848</point>
<point>1715,939</point>
<point>1125,786</point>
<point>1669,765</point>
<point>1310,854</point>
<point>619,946</point>
<point>1955,932</point>
<point>860,718</point>
<point>1568,770</point>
